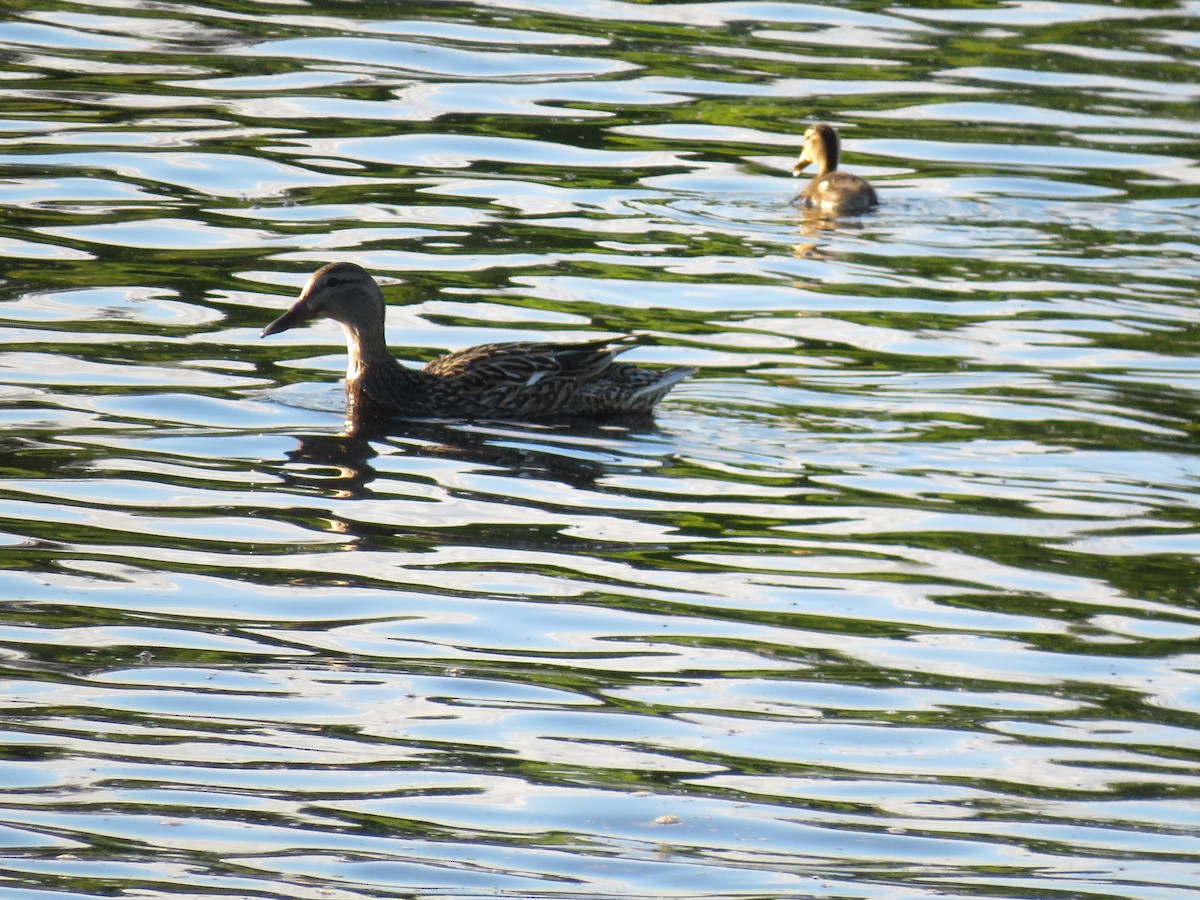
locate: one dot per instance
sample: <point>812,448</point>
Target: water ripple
<point>894,598</point>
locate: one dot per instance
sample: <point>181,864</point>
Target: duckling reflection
<point>831,192</point>
<point>511,381</point>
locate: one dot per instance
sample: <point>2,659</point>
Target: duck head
<point>341,291</point>
<point>821,146</point>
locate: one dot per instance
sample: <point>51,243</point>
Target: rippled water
<point>898,597</point>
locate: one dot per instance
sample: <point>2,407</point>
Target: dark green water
<point>897,598</point>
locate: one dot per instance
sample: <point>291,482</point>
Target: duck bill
<point>799,166</point>
<point>297,315</point>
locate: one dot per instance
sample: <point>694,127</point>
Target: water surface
<point>896,598</point>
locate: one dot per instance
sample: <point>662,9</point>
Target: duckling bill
<point>831,191</point>
<point>517,380</point>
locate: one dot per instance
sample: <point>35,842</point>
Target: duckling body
<point>517,380</point>
<point>831,191</point>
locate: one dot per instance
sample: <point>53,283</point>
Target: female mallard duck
<point>519,380</point>
<point>831,191</point>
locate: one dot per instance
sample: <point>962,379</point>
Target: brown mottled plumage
<point>519,380</point>
<point>831,191</point>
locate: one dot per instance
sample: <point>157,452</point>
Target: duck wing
<point>839,192</point>
<point>525,363</point>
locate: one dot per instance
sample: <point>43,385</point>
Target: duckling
<point>518,380</point>
<point>831,191</point>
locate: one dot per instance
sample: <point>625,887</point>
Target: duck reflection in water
<point>524,381</point>
<point>578,454</point>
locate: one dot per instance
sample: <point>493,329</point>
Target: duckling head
<point>821,146</point>
<point>341,291</point>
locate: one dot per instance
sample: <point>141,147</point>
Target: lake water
<point>898,597</point>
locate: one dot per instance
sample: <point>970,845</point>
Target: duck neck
<point>829,151</point>
<point>366,345</point>
<point>828,161</point>
<point>376,384</point>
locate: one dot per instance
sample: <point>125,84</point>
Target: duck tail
<point>646,397</point>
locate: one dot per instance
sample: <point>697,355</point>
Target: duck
<point>831,191</point>
<point>518,380</point>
